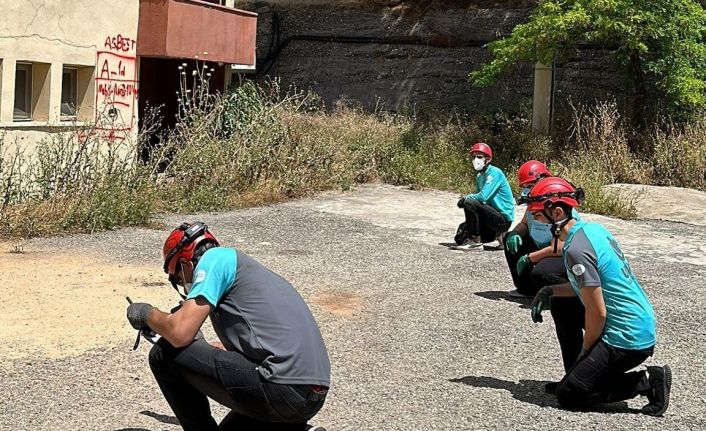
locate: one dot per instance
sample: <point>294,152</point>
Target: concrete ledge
<point>665,203</point>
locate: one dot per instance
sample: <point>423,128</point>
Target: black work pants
<point>188,375</point>
<point>604,376</point>
<point>546,272</point>
<point>483,220</point>
<point>569,321</point>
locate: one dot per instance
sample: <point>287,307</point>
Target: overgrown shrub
<point>259,144</point>
<point>679,157</point>
<point>73,182</point>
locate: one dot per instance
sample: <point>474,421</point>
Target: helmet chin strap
<point>173,280</point>
<point>557,226</point>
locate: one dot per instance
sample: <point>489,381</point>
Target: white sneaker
<point>493,245</point>
<point>469,244</point>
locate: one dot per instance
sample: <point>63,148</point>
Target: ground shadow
<point>527,391</point>
<point>165,419</point>
<point>448,244</point>
<point>532,392</point>
<point>497,295</point>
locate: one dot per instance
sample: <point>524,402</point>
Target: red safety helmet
<point>183,242</point>
<point>481,147</point>
<point>551,191</point>
<point>532,171</point>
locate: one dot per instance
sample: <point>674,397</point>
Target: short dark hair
<point>564,206</point>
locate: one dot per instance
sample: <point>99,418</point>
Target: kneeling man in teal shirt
<point>620,322</point>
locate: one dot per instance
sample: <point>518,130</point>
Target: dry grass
<point>259,145</point>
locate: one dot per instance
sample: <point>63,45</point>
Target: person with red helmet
<point>270,365</point>
<point>619,320</point>
<point>488,212</point>
<point>529,253</point>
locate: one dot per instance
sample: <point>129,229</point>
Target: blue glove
<point>523,264</point>
<point>513,242</point>
<point>541,303</point>
<point>137,313</point>
<point>461,202</point>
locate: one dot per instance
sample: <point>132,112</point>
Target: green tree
<point>663,40</point>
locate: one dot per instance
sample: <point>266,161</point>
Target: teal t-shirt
<point>493,189</point>
<point>214,275</point>
<point>593,258</point>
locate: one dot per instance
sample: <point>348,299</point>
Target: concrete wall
<point>433,46</point>
<point>96,37</point>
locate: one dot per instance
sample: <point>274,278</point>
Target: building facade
<point>68,63</point>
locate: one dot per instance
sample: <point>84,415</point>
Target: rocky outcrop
<point>399,54</point>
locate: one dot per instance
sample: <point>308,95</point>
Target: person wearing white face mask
<point>490,211</point>
<point>529,249</point>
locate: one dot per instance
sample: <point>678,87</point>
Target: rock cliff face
<point>397,54</point>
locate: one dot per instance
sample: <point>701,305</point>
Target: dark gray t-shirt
<point>260,314</point>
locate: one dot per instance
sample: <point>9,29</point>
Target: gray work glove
<point>541,303</point>
<point>137,313</point>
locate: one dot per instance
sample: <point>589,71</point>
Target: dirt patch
<point>341,303</point>
<point>59,305</point>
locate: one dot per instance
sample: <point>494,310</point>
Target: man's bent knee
<point>472,204</point>
<point>160,355</point>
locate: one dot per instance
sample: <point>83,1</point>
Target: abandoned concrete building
<point>68,62</point>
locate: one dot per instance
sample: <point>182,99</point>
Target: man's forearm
<point>595,316</point>
<point>166,325</point>
<point>594,328</point>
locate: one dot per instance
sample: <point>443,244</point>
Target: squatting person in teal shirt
<point>534,258</point>
<point>619,320</point>
<point>490,211</point>
<point>270,365</point>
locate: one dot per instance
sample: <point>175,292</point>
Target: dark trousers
<point>484,221</point>
<point>189,376</point>
<point>604,376</point>
<point>569,315</point>
<point>546,272</point>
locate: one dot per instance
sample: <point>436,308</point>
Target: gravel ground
<point>420,337</point>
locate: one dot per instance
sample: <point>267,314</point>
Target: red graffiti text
<point>120,43</point>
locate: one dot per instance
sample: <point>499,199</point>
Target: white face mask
<point>478,164</point>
